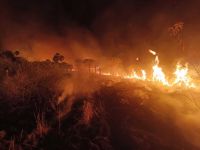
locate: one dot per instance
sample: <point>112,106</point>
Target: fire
<point>106,73</point>
<point>152,52</point>
<point>181,75</point>
<point>158,74</point>
<point>134,75</point>
<point>143,77</point>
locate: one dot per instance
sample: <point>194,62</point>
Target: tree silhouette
<point>176,31</point>
<point>8,55</point>
<point>58,58</point>
<point>16,53</point>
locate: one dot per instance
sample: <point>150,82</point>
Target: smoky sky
<point>124,29</point>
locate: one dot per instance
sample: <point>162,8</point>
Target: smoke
<point>185,113</point>
<point>177,108</point>
<point>101,30</point>
<point>35,44</point>
<point>39,34</point>
<point>128,29</point>
<point>115,33</point>
<point>80,84</point>
<point>78,87</point>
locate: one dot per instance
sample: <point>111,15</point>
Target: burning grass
<point>182,76</point>
<point>50,107</point>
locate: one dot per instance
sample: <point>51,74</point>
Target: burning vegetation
<point>54,105</point>
<point>99,75</point>
<point>182,77</point>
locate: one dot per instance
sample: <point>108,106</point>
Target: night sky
<point>83,12</point>
<point>56,12</point>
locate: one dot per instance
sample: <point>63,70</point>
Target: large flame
<point>158,74</point>
<point>181,75</point>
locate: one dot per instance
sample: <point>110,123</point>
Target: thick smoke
<point>39,30</point>
<point>124,30</point>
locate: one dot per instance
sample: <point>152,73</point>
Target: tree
<point>8,55</point>
<point>16,53</point>
<point>176,31</point>
<point>58,58</point>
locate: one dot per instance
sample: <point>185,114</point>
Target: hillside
<point>45,106</point>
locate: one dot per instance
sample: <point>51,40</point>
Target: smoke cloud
<point>124,30</point>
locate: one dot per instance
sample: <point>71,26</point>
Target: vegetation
<point>58,58</point>
<point>43,105</point>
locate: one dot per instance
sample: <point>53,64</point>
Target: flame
<point>158,74</point>
<point>106,73</point>
<point>143,77</point>
<point>152,52</point>
<point>181,75</point>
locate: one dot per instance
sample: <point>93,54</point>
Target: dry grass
<point>88,112</point>
<point>41,125</point>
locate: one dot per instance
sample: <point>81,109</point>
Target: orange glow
<point>158,74</point>
<point>181,75</point>
<point>143,77</point>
